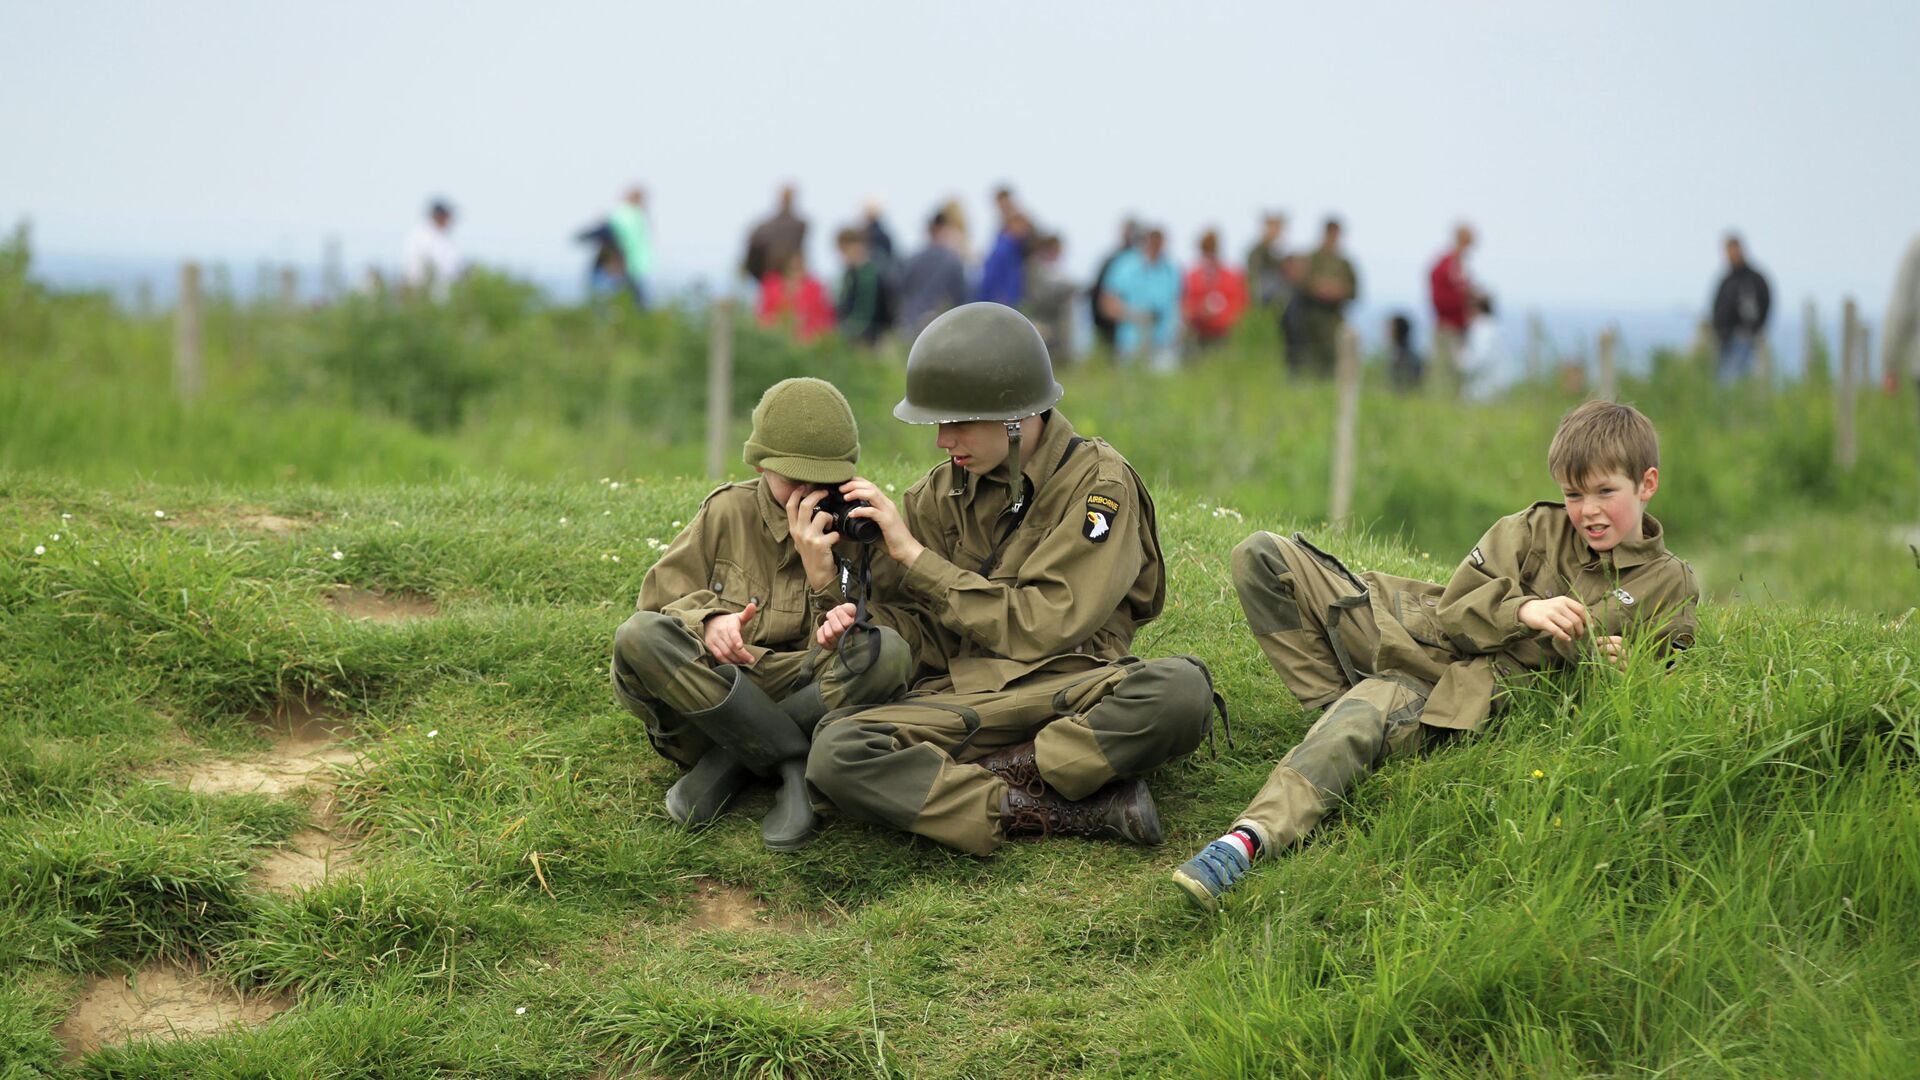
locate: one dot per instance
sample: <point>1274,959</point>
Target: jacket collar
<point>1038,462</point>
<point>1650,545</point>
<point>774,514</point>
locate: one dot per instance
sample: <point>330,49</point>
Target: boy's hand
<point>808,528</point>
<point>1561,616</point>
<point>1614,649</point>
<point>834,625</point>
<point>724,641</point>
<point>901,546</point>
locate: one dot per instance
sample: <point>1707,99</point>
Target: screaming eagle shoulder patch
<point>1100,513</point>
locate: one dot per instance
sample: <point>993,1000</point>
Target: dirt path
<point>305,758</point>
<point>367,604</point>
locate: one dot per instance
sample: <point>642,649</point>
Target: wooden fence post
<point>189,372</point>
<point>1763,360</point>
<point>333,278</point>
<point>289,287</point>
<point>1810,327</point>
<point>1536,346</point>
<point>1346,421</point>
<point>1608,388</point>
<point>1845,450</point>
<point>1443,375</point>
<point>719,386</point>
<point>1704,344</point>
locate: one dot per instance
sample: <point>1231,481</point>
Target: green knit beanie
<point>803,429</point>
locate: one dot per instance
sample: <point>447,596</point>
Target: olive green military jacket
<point>1324,265</point>
<point>736,551</point>
<point>1462,636</point>
<point>994,597</point>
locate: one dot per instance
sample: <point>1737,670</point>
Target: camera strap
<point>860,586</point>
<point>1017,513</point>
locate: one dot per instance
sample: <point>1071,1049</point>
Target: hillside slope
<point>410,815</point>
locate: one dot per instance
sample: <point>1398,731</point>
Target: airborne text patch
<point>1100,512</point>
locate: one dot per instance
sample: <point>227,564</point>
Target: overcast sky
<point>1601,148</point>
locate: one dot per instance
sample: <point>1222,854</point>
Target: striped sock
<point>1245,839</point>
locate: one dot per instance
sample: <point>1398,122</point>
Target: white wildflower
<point>676,524</point>
<point>563,521</point>
<point>889,487</point>
<point>159,513</point>
<point>434,734</point>
<point>338,555</point>
<point>395,524</point>
<point>39,549</point>
<point>521,1011</point>
<point>66,517</point>
<point>613,485</point>
<point>1227,511</point>
<point>606,479</point>
<point>56,538</point>
<point>606,513</point>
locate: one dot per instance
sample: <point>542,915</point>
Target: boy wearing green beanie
<point>721,660</point>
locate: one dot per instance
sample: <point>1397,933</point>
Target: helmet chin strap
<point>1014,476</point>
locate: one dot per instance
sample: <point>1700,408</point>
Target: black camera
<point>858,529</point>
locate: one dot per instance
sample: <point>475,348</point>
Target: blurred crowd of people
<point>1141,306</point>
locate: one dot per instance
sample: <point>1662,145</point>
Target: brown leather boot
<point>1016,765</point>
<point>1123,810</point>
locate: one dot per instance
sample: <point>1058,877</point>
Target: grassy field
<point>499,385</point>
<point>1708,872</point>
<point>305,699</point>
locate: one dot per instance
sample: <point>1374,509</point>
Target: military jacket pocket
<point>733,587</point>
<point>1421,616</point>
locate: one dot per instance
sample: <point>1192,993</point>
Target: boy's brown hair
<point>1602,437</point>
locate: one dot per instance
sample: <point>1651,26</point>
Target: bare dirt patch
<point>720,906</point>
<point>819,993</point>
<point>725,907</point>
<point>157,1002</point>
<point>305,756</point>
<point>356,603</point>
<point>305,752</point>
<point>309,858</point>
<point>271,524</point>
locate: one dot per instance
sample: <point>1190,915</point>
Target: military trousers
<point>1314,351</point>
<point>662,671</point>
<point>1312,619</point>
<point>907,764</point>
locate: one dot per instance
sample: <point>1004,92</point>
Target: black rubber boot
<point>750,726</point>
<point>805,708</point>
<point>768,740</point>
<point>789,825</point>
<point>700,795</point>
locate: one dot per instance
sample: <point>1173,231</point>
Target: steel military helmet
<point>981,361</point>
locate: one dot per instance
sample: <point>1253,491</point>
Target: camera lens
<point>858,529</point>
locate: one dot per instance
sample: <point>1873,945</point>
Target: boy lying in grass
<point>720,662</point>
<point>1400,664</point>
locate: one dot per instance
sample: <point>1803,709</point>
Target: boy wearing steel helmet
<point>720,661</point>
<point>1018,570</point>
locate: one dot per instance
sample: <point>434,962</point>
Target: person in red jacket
<point>1454,297</point>
<point>1214,295</point>
<point>797,297</point>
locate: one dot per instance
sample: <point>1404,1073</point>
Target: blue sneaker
<point>1208,875</point>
